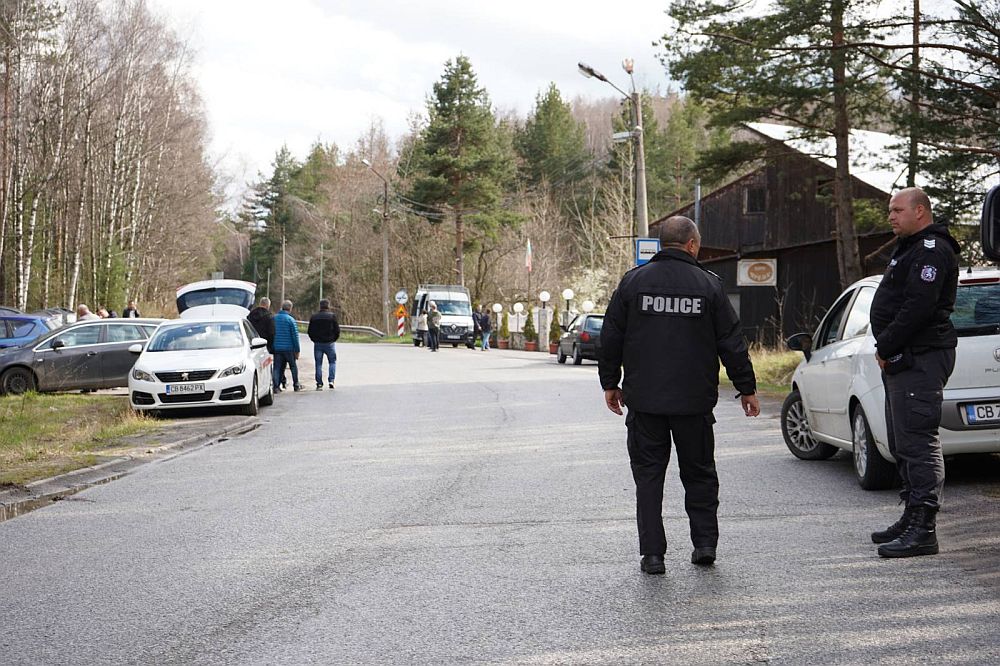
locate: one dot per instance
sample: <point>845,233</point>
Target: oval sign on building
<point>757,273</point>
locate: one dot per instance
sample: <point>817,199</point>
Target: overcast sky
<point>300,70</point>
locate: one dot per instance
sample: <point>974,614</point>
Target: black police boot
<point>920,537</point>
<point>895,530</point>
<point>652,564</point>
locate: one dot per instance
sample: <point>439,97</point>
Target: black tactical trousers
<point>912,415</point>
<point>649,438</point>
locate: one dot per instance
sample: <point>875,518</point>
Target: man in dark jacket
<point>668,324</point>
<point>263,322</point>
<point>324,331</point>
<point>915,342</point>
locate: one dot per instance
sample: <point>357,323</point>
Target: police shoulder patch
<point>930,243</point>
<point>928,273</point>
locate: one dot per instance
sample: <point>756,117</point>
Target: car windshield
<point>224,335</point>
<point>594,324</point>
<point>977,310</point>
<point>454,308</point>
<point>215,296</point>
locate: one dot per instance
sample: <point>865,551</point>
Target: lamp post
<point>497,309</point>
<point>543,320</point>
<point>641,214</point>
<point>385,246</point>
<point>587,306</point>
<point>567,295</point>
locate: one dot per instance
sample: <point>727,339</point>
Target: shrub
<point>505,326</point>
<point>530,334</point>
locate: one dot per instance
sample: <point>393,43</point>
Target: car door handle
<point>92,353</point>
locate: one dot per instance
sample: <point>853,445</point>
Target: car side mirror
<point>802,342</point>
<point>135,349</point>
<point>258,343</point>
<point>58,344</point>
<point>989,226</point>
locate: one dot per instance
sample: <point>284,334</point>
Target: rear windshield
<point>215,296</point>
<point>594,324</point>
<point>977,310</point>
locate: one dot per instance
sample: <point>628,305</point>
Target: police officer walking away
<point>668,324</point>
<point>915,341</point>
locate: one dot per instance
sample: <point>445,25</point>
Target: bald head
<point>680,232</point>
<point>909,211</point>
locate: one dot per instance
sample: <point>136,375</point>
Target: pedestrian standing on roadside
<point>286,346</point>
<point>486,324</point>
<point>131,312</point>
<point>422,328</point>
<point>324,332</point>
<point>433,326</point>
<point>263,321</point>
<point>668,324</point>
<point>83,313</point>
<point>915,343</point>
<point>477,328</point>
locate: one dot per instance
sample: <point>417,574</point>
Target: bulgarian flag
<point>527,256</point>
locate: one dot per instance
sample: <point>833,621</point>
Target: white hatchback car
<point>217,362</point>
<point>838,401</point>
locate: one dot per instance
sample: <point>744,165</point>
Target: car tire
<point>560,356</point>
<point>252,408</point>
<point>454,345</point>
<point>268,399</point>
<point>795,431</point>
<point>577,355</point>
<point>17,381</point>
<point>873,471</point>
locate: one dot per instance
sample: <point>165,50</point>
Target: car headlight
<point>142,375</point>
<point>234,370</point>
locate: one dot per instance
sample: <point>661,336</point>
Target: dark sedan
<point>85,355</point>
<point>582,339</point>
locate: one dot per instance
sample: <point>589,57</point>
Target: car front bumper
<point>233,390</point>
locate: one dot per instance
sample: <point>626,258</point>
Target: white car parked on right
<point>838,400</point>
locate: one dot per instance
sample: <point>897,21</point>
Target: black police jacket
<point>668,324</point>
<point>913,303</point>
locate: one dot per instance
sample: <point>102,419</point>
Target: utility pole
<point>641,212</point>
<point>911,170</point>
<point>321,257</point>
<point>282,266</point>
<point>385,247</point>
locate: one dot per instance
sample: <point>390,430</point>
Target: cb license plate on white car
<point>987,412</point>
<point>177,389</point>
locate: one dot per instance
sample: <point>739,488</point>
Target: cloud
<point>301,70</point>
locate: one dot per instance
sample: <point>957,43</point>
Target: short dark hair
<point>324,304</point>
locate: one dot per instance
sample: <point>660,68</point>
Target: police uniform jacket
<point>668,324</point>
<point>912,306</point>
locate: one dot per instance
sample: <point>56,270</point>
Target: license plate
<point>177,389</point>
<point>987,412</point>
<point>453,337</point>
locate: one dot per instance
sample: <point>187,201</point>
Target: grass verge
<point>774,369</point>
<point>42,435</point>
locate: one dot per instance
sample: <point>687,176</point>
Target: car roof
<point>210,284</point>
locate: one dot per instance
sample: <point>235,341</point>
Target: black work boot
<point>652,564</point>
<point>920,537</point>
<point>895,530</point>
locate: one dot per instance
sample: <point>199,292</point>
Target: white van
<point>215,299</point>
<point>455,306</point>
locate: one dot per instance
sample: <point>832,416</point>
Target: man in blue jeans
<point>286,347</point>
<point>324,331</point>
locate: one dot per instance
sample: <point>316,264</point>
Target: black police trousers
<point>649,437</point>
<point>913,414</point>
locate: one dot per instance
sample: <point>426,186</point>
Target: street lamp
<point>587,306</point>
<point>567,295</point>
<point>385,245</point>
<point>497,309</point>
<point>543,319</point>
<point>641,214</point>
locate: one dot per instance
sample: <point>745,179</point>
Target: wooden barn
<point>770,234</point>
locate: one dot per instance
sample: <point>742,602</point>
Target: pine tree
<point>553,144</point>
<point>790,63</point>
<point>464,159</point>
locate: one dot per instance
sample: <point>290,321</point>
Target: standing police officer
<point>915,340</point>
<point>667,325</point>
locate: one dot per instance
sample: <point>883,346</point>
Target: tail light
<point>585,337</point>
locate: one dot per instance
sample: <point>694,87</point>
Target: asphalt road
<point>478,507</point>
